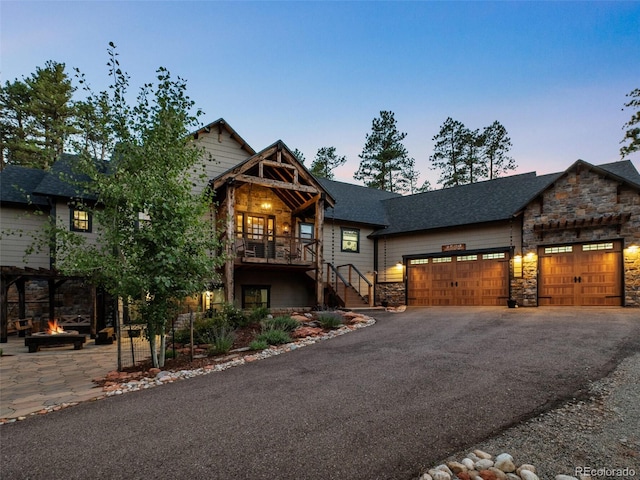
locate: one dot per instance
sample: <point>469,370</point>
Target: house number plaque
<point>454,246</point>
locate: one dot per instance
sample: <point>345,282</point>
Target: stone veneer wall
<point>72,298</point>
<point>581,194</point>
<point>393,292</point>
<point>632,277</point>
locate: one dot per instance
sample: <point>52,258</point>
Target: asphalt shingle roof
<point>623,169</point>
<point>17,184</point>
<point>480,202</point>
<point>355,203</point>
<point>54,183</point>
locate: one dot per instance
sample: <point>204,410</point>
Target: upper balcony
<point>281,250</point>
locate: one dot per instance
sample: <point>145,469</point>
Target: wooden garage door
<point>583,274</point>
<point>477,279</point>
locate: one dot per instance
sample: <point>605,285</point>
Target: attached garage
<point>581,274</point>
<point>466,279</point>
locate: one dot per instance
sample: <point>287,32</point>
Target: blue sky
<point>315,74</point>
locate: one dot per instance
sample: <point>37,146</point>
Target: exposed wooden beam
<point>305,205</point>
<point>267,182</point>
<point>271,163</point>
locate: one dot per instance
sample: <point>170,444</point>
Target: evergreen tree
<point>385,162</point>
<point>448,153</point>
<point>326,160</point>
<point>37,116</point>
<point>495,150</point>
<point>468,156</point>
<point>474,167</point>
<point>632,133</point>
<point>299,155</point>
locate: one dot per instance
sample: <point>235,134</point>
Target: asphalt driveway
<point>379,403</point>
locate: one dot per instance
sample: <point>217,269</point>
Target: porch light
<point>285,228</point>
<point>399,264</point>
<point>266,205</point>
<point>517,266</point>
<point>633,249</point>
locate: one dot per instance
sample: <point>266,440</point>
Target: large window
<point>254,296</point>
<point>350,240</point>
<point>254,227</point>
<point>80,220</point>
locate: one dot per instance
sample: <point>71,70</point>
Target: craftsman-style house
<point>296,241</point>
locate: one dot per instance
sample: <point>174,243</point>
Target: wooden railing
<point>337,282</point>
<point>359,282</point>
<point>279,248</point>
<point>349,289</point>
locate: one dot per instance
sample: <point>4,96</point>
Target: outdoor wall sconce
<point>285,228</point>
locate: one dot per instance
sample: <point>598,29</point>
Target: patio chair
<point>243,249</point>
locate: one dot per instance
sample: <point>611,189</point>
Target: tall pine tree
<point>448,153</point>
<point>495,150</point>
<point>384,161</point>
<point>37,117</point>
<point>326,161</point>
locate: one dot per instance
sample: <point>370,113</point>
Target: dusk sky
<point>316,74</point>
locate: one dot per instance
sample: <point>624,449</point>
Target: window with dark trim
<point>254,296</point>
<point>80,220</point>
<point>306,231</point>
<point>350,240</point>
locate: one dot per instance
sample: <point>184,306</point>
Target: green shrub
<point>286,324</point>
<point>258,345</point>
<point>258,314</point>
<point>233,316</point>
<point>274,337</point>
<point>205,329</point>
<point>169,353</point>
<point>182,335</point>
<point>330,320</point>
<point>220,339</point>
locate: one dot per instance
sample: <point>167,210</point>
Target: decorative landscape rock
<point>480,465</point>
<point>528,475</point>
<point>504,462</point>
<point>483,464</point>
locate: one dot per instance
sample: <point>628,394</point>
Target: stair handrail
<point>360,278</point>
<point>331,268</point>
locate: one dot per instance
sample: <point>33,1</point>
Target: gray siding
<point>333,253</point>
<point>226,153</point>
<point>20,229</point>
<point>287,289</point>
<point>492,236</point>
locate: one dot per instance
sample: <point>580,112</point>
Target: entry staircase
<point>344,285</point>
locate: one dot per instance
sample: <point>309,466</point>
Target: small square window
<point>80,220</point>
<point>350,240</point>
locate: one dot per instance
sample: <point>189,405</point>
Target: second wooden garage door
<point>582,274</point>
<point>478,279</point>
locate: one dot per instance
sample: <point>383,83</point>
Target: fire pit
<point>54,336</point>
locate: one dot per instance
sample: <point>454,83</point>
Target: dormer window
<point>80,220</point>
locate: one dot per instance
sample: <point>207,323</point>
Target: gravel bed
<point>594,438</point>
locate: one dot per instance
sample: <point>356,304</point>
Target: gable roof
<point>221,124</point>
<point>622,170</point>
<point>286,175</point>
<point>355,203</point>
<point>18,183</point>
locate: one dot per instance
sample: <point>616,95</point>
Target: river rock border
<point>480,465</point>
